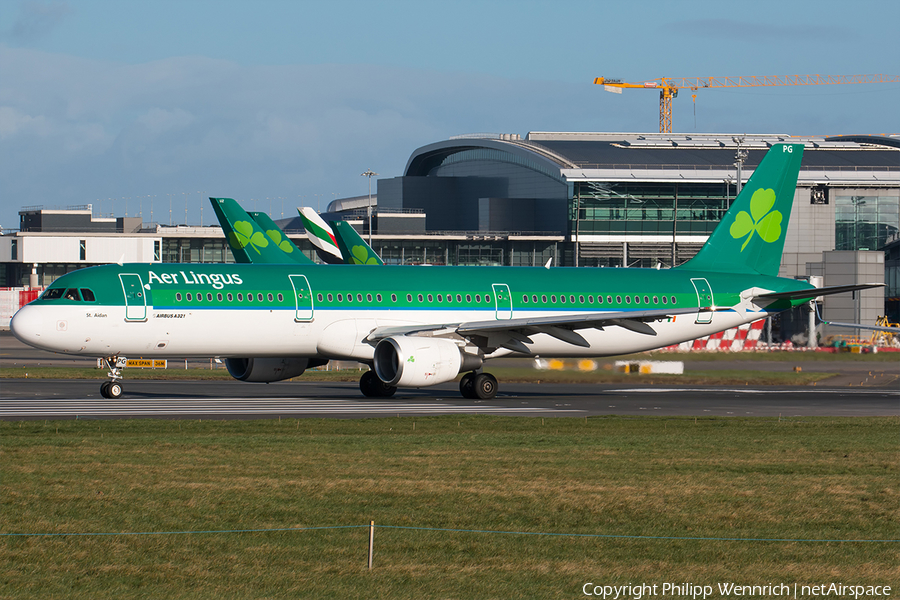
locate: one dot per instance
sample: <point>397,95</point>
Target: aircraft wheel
<point>104,389</point>
<point>383,390</point>
<point>367,384</point>
<point>114,390</point>
<point>467,386</point>
<point>485,386</point>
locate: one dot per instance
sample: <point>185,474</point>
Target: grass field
<point>810,479</point>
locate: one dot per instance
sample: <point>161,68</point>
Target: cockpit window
<point>72,294</point>
<point>53,294</point>
<point>88,295</point>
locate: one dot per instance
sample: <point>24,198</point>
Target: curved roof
<point>553,152</point>
<point>426,158</point>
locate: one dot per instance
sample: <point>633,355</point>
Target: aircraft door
<point>135,297</point>
<point>502,301</point>
<point>303,300</point>
<point>704,300</point>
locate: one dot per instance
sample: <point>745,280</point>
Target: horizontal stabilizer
<point>816,292</point>
<point>861,326</point>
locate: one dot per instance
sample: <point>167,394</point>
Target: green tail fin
<point>248,242</point>
<point>280,239</point>
<point>353,248</point>
<point>750,237</point>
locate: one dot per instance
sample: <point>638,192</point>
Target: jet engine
<point>268,369</point>
<point>409,361</point>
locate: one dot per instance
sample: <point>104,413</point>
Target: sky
<point>149,108</point>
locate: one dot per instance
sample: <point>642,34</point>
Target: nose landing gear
<point>113,389</point>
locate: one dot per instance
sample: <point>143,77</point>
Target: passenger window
<point>553,298</point>
<point>637,299</point>
<point>655,299</point>
<point>618,299</point>
<point>665,300</point>
<point>378,297</point>
<point>609,300</point>
<point>249,297</point>
<point>646,299</point>
<point>209,297</point>
<point>544,298</point>
<point>581,299</point>
<point>421,298</point>
<point>340,297</point>
<point>190,297</point>
<point>525,298</point>
<point>477,297</point>
<point>468,297</point>
<point>359,297</point>
<point>240,297</point>
<point>280,297</point>
<point>562,298</point>
<point>178,296</point>
<point>627,299</point>
<point>368,297</point>
<point>430,298</point>
<point>258,297</point>
<point>52,294</point>
<point>534,298</point>
<point>319,297</point>
<point>673,299</point>
<point>349,297</point>
<point>393,297</point>
<point>230,297</point>
<point>572,299</point>
<point>487,298</point>
<point>440,298</point>
<point>219,297</point>
<point>268,297</point>
<point>88,295</point>
<point>459,298</point>
<point>591,299</point>
<point>72,294</point>
<point>330,297</point>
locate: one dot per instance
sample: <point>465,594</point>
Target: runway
<point>80,399</point>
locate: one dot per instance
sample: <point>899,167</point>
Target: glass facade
<point>611,208</point>
<point>865,222</point>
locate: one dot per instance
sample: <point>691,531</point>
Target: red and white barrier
<point>743,337</point>
<point>12,299</point>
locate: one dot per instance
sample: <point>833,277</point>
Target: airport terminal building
<point>577,199</point>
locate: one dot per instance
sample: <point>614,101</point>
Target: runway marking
<point>244,406</point>
<point>854,391</point>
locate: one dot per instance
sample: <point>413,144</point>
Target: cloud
<point>36,19</point>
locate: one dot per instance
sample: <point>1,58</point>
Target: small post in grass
<point>371,541</point>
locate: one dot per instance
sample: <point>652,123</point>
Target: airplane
<point>343,246</point>
<point>336,241</point>
<point>418,327</point>
<point>247,240</point>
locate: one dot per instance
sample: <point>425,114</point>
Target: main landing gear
<point>478,386</point>
<point>372,387</point>
<point>112,388</point>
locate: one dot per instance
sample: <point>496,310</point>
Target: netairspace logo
<point>727,590</point>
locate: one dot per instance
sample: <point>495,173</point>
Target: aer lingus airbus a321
<point>421,326</point>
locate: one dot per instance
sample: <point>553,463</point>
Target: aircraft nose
<point>27,325</point>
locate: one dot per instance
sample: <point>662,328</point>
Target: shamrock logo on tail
<point>360,256</point>
<point>762,219</point>
<point>243,236</point>
<point>284,244</point>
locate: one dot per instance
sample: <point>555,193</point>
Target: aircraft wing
<point>816,292</point>
<point>561,327</point>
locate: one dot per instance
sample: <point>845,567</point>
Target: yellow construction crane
<point>668,87</point>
